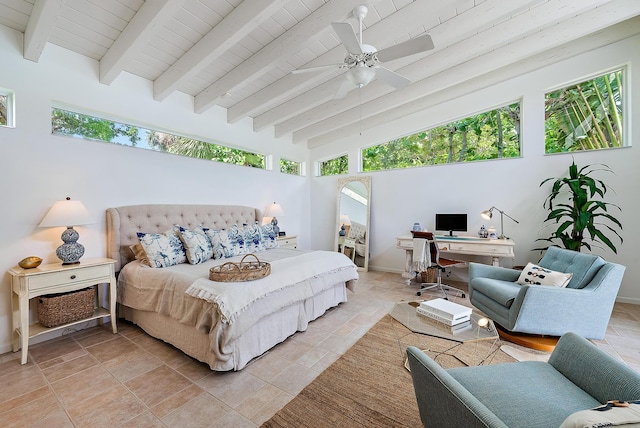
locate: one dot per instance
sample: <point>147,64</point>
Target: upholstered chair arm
<point>478,270</point>
<point>585,311</point>
<point>442,400</point>
<point>594,371</point>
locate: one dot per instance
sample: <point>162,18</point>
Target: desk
<point>494,248</point>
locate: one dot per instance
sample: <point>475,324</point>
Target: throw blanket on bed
<point>232,298</point>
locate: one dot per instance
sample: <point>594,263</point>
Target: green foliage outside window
<point>3,110</point>
<point>489,135</point>
<point>83,126</point>
<point>289,167</point>
<point>336,166</point>
<point>585,116</point>
<point>202,150</point>
<point>73,124</point>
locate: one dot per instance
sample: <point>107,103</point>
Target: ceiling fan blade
<point>318,68</point>
<point>345,33</point>
<point>391,78</point>
<point>410,47</point>
<point>343,90</point>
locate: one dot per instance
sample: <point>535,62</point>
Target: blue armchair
<point>577,377</point>
<point>584,306</point>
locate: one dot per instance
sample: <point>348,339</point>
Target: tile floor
<point>92,378</point>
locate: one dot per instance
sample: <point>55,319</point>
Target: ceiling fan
<point>363,62</point>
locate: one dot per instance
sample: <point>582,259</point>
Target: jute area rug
<point>369,385</point>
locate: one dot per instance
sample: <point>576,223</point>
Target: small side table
<point>350,243</point>
<point>52,278</point>
<point>287,241</point>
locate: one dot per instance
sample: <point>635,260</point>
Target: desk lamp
<point>68,213</point>
<point>488,214</point>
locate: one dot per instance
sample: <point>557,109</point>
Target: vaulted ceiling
<point>239,54</point>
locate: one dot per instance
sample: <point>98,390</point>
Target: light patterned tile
<point>110,408</point>
<point>157,385</point>
<point>231,387</point>
<point>202,411</point>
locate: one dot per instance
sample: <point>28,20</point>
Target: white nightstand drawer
<point>70,277</point>
<point>287,241</point>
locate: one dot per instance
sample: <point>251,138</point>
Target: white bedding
<point>292,273</point>
<point>246,304</point>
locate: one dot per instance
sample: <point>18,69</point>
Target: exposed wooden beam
<point>291,83</point>
<point>144,25</point>
<point>234,27</point>
<point>319,120</point>
<point>282,47</point>
<point>294,114</point>
<point>41,22</point>
<point>443,90</point>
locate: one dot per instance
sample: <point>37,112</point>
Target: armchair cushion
<point>503,292</point>
<point>583,266</point>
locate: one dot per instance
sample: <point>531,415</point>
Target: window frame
<point>625,98</point>
<point>267,159</point>
<point>319,163</point>
<point>518,101</point>
<point>10,107</point>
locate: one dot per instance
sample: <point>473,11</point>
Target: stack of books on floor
<point>453,315</point>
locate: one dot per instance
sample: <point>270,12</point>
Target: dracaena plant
<point>578,211</point>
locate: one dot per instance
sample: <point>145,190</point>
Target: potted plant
<point>577,209</point>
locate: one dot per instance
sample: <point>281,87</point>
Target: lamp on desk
<point>488,214</point>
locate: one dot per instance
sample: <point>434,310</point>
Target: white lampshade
<point>67,213</point>
<point>274,210</point>
<point>344,219</point>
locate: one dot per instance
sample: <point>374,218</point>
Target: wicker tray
<point>243,271</point>
<point>62,308</point>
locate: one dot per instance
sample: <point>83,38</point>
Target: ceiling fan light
<point>360,75</point>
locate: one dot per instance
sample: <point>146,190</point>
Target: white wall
<point>39,168</point>
<point>402,197</point>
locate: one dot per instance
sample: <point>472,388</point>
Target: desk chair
<point>432,259</point>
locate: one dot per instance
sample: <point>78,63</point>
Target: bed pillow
<point>252,234</point>
<point>537,275</point>
<point>226,242</point>
<point>139,254</point>
<point>197,246</point>
<point>163,249</point>
<point>268,236</point>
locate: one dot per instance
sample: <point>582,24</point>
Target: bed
<point>224,325</point>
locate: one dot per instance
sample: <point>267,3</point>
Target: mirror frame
<point>366,181</point>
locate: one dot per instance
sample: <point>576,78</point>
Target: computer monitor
<point>451,223</point>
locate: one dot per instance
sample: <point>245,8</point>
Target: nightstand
<point>287,241</point>
<point>58,278</point>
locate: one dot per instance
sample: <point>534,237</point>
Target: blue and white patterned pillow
<point>222,244</point>
<point>163,249</point>
<point>268,237</point>
<point>196,244</point>
<point>252,237</point>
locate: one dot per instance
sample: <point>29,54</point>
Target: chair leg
<point>440,286</point>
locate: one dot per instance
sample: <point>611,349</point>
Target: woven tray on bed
<point>243,271</point>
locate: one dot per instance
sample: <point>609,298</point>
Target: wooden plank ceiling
<point>239,54</point>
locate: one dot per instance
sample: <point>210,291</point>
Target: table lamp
<point>68,213</point>
<point>345,225</point>
<point>274,210</point>
<point>488,214</point>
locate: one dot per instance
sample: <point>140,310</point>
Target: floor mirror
<point>353,216</point>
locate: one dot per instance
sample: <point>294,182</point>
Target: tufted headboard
<point>124,222</point>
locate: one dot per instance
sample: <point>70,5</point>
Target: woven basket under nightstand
<point>62,308</point>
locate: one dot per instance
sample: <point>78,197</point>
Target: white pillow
<point>537,275</point>
<point>626,416</point>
